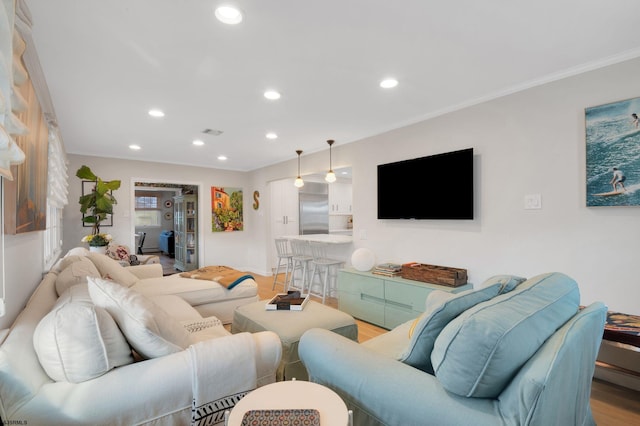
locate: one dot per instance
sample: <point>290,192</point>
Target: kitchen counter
<point>323,238</point>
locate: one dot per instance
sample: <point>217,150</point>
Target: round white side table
<point>294,394</point>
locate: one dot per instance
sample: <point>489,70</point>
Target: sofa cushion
<point>75,271</point>
<point>441,309</point>
<point>79,341</point>
<point>111,269</point>
<point>74,294</point>
<point>147,327</point>
<point>508,282</point>
<point>479,352</point>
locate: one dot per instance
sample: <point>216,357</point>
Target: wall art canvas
<point>613,154</point>
<point>226,209</point>
<point>26,196</point>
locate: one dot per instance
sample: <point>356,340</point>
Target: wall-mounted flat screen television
<point>434,187</point>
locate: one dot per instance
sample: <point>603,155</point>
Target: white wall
<point>532,142</point>
<point>526,143</point>
<point>223,248</point>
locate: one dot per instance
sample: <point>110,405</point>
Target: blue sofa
<point>514,352</point>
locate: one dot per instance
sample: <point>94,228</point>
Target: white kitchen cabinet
<point>284,212</point>
<point>340,198</point>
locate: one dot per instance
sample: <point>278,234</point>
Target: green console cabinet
<point>384,301</point>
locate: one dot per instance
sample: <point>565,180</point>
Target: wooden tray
<point>443,275</point>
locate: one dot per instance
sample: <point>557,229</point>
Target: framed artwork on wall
<point>226,209</point>
<point>613,154</point>
<point>87,187</point>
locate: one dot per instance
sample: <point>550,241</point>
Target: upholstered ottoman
<point>290,326</point>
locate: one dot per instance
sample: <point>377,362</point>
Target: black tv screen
<point>434,187</point>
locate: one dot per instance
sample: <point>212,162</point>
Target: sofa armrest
<point>152,270</point>
<point>381,390</point>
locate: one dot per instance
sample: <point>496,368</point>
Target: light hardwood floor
<point>611,405</point>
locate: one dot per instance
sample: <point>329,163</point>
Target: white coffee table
<point>294,394</point>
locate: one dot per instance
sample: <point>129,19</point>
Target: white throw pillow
<point>148,328</point>
<point>79,341</point>
<point>111,269</point>
<point>74,294</point>
<point>75,271</point>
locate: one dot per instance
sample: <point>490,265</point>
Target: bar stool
<point>301,261</point>
<point>284,254</point>
<point>322,263</point>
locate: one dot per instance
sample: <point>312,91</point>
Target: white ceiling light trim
<point>388,83</point>
<point>135,147</point>
<point>272,95</point>
<point>222,158</point>
<point>271,135</point>
<point>228,15</point>
<point>157,113</point>
<point>197,142</point>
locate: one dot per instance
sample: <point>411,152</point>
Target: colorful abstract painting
<point>226,209</point>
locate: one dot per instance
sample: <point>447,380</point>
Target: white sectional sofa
<point>100,352</point>
<point>207,297</point>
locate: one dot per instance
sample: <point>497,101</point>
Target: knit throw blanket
<point>223,275</point>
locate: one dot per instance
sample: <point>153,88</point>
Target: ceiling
<point>107,63</point>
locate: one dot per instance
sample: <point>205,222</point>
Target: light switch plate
<point>532,201</point>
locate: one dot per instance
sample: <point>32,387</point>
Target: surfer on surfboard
<point>618,179</point>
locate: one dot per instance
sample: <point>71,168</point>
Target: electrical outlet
<point>532,202</point>
<point>363,234</point>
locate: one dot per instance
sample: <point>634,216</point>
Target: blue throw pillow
<point>480,351</point>
<point>428,325</point>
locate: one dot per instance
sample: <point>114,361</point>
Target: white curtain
<point>11,72</point>
<point>57,174</point>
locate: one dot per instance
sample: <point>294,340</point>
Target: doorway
<point>155,220</point>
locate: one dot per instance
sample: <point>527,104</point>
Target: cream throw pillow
<point>148,328</point>
<point>113,270</point>
<point>78,341</point>
<point>75,271</point>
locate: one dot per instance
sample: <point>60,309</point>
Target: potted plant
<point>96,206</point>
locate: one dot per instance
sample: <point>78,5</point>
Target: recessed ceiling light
<point>222,158</point>
<point>228,15</point>
<point>134,147</point>
<point>272,94</point>
<point>388,83</point>
<point>198,142</point>
<point>271,136</point>
<point>156,113</point>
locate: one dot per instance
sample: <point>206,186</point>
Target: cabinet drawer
<point>362,307</point>
<point>409,297</point>
<point>359,284</point>
<point>394,316</point>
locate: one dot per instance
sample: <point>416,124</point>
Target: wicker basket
<point>434,274</point>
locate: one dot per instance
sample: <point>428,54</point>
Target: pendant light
<point>330,177</point>
<point>299,183</point>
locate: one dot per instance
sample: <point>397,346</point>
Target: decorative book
<point>290,301</point>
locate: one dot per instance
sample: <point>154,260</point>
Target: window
<point>148,212</point>
<point>148,218</point>
<point>56,199</point>
<point>146,202</point>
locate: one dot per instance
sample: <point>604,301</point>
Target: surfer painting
<point>613,154</point>
<point>618,179</point>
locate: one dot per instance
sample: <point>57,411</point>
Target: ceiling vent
<point>213,132</point>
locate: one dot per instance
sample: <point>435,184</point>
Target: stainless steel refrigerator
<point>314,208</point>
